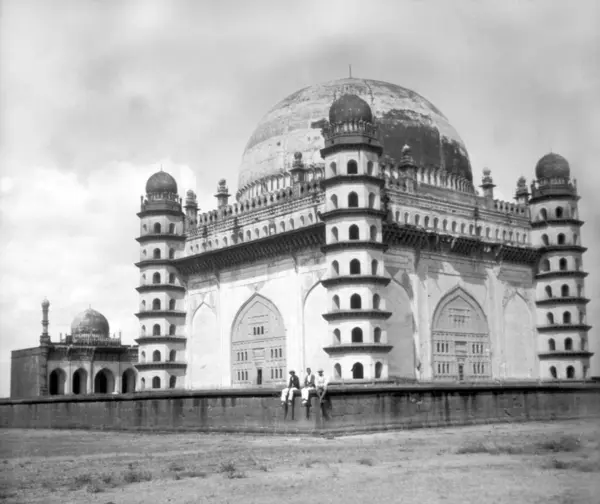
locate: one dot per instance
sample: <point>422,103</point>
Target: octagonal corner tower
<point>403,117</point>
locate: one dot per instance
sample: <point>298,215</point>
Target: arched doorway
<point>460,339</point>
<point>104,383</point>
<point>57,382</point>
<point>79,382</point>
<point>357,371</point>
<point>258,349</point>
<point>128,382</point>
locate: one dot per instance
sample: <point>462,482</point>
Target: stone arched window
<point>370,167</point>
<point>545,265</point>
<point>156,382</point>
<point>566,317</point>
<point>550,318</point>
<point>335,302</point>
<point>156,330</point>
<point>545,240</point>
<point>355,302</point>
<point>171,253</point>
<point>436,222</point>
<point>560,239</point>
<point>357,371</point>
<point>570,372</point>
<point>373,233</point>
<point>352,167</point>
<point>378,369</point>
<point>454,227</point>
<point>333,169</point>
<point>171,304</point>
<point>377,335</point>
<point>156,253</point>
<point>172,329</point>
<point>559,212</point>
<point>156,304</point>
<point>171,278</point>
<point>353,232</point>
<point>371,200</point>
<point>352,200</point>
<point>562,264</point>
<point>376,301</point>
<point>156,356</point>
<point>157,228</point>
<point>406,217</point>
<point>337,371</point>
<point>143,330</point>
<point>337,337</point>
<point>543,214</point>
<point>335,268</point>
<point>564,290</point>
<point>357,335</point>
<point>143,356</point>
<point>568,344</point>
<point>575,239</point>
<point>143,383</point>
<point>334,201</point>
<point>374,267</point>
<point>334,234</point>
<point>172,381</point>
<point>156,278</point>
<point>551,345</point>
<point>417,219</point>
<point>553,373</point>
<point>172,356</point>
<point>355,267</point>
<point>172,228</point>
<point>548,291</point>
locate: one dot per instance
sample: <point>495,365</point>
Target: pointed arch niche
<point>258,344</point>
<point>460,339</point>
<point>203,349</point>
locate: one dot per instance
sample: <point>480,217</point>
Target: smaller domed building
<point>87,361</point>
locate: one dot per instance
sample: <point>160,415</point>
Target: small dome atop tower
<point>161,182</point>
<point>552,165</point>
<point>45,303</point>
<point>90,323</point>
<point>350,107</point>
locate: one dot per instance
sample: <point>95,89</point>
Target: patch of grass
<point>575,465</point>
<point>109,479</point>
<point>134,476</point>
<point>230,471</point>
<point>176,467</point>
<point>263,468</point>
<point>309,463</point>
<point>563,444</point>
<point>189,474</point>
<point>366,461</point>
<point>94,488</point>
<point>82,480</point>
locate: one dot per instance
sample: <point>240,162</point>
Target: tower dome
<point>350,107</point>
<point>161,182</point>
<point>402,116</point>
<point>90,323</point>
<point>552,165</point>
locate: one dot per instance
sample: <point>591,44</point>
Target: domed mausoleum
<point>360,242</point>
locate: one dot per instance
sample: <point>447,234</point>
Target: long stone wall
<point>347,410</point>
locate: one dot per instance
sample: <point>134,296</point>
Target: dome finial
<point>350,70</point>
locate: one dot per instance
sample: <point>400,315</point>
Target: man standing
<point>287,394</point>
<point>309,383</point>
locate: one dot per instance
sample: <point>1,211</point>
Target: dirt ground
<point>519,463</point>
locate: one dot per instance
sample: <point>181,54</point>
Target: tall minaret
<point>357,340</point>
<point>560,294</point>
<point>45,338</point>
<point>44,351</point>
<point>162,295</point>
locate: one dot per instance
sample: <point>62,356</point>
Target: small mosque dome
<point>350,107</point>
<point>161,182</point>
<point>90,323</point>
<point>552,165</point>
<point>45,303</point>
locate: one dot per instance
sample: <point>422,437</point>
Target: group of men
<point>311,382</point>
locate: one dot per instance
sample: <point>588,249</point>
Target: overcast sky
<point>96,95</point>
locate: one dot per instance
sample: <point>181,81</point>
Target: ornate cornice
<point>362,178</point>
<point>160,237</point>
<point>565,354</point>
<point>357,314</point>
<point>562,248</point>
<point>556,222</point>
<point>356,280</point>
<point>354,245</point>
<point>160,287</point>
<point>352,212</point>
<point>154,262</point>
<point>358,348</point>
<point>549,275</point>
<point>160,313</point>
<point>562,300</point>
<point>563,328</point>
<point>155,366</point>
<point>149,340</point>
<point>282,244</point>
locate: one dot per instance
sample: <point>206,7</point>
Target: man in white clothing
<point>321,384</point>
<point>309,384</point>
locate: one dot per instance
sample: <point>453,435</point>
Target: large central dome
<point>403,116</point>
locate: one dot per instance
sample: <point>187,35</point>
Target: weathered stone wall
<point>27,369</point>
<point>349,409</point>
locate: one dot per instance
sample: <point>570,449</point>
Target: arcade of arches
<point>258,344</point>
<point>104,382</point>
